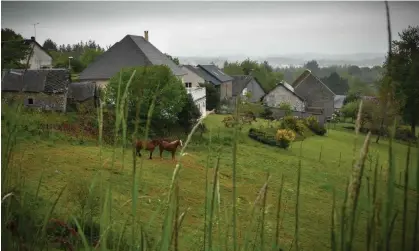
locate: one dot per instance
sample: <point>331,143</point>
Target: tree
<point>350,109</point>
<point>13,49</point>
<point>149,83</point>
<point>286,107</point>
<point>89,55</point>
<point>212,96</point>
<point>354,70</point>
<point>404,71</point>
<point>337,84</point>
<point>351,97</point>
<point>174,59</point>
<point>189,114</point>
<point>313,66</point>
<point>50,45</point>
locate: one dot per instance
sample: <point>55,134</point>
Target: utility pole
<point>34,28</point>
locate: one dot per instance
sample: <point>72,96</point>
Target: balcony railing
<point>196,92</point>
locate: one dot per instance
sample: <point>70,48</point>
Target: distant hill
<point>359,59</point>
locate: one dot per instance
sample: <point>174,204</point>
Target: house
<point>192,81</point>
<point>244,84</point>
<point>339,102</point>
<point>131,51</point>
<point>315,93</point>
<point>284,93</point>
<point>39,58</point>
<point>210,74</point>
<point>44,88</point>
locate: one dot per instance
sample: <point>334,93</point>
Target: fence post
<point>340,158</point>
<point>321,150</point>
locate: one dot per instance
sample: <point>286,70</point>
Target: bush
<point>284,137</point>
<point>313,124</point>
<point>293,123</point>
<point>404,133</point>
<point>267,114</point>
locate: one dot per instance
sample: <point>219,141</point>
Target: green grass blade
<point>406,187</point>
<point>278,213</point>
<point>416,230</point>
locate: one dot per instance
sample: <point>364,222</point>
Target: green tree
<point>350,109</point>
<point>89,55</point>
<point>50,45</point>
<point>174,59</point>
<point>337,84</point>
<point>13,49</point>
<point>189,114</point>
<point>286,107</point>
<point>351,97</point>
<point>150,82</point>
<point>313,66</point>
<point>212,96</point>
<point>404,71</point>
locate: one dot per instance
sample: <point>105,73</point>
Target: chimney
<point>146,35</point>
<point>33,38</point>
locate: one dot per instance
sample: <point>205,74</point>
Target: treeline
<point>340,79</point>
<point>82,53</point>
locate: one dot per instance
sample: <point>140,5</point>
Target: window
<point>188,84</point>
<point>30,101</point>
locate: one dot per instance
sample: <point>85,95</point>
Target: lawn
<point>325,161</point>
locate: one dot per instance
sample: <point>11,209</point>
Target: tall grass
<point>221,228</point>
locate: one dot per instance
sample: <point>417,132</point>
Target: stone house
<point>315,93</point>
<point>284,93</point>
<point>82,93</point>
<point>244,84</point>
<point>44,89</point>
<point>39,58</point>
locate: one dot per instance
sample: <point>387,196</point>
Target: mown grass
<point>326,164</point>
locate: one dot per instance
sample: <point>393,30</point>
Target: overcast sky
<point>217,28</point>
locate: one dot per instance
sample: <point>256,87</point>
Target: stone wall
<point>49,102</point>
<point>281,95</point>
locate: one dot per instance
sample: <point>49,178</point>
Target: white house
<point>40,58</point>
<point>192,81</point>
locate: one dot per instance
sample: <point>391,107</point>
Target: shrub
<point>267,114</point>
<point>284,137</point>
<point>313,124</point>
<point>293,123</point>
<point>404,133</point>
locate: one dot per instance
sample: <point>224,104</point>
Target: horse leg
<point>151,153</point>
<point>161,152</point>
<point>173,155</point>
<point>138,152</point>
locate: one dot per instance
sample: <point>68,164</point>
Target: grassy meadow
<point>46,165</point>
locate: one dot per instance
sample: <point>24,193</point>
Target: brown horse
<point>170,147</point>
<point>149,145</point>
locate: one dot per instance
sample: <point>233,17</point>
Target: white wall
<point>39,58</point>
<point>192,78</point>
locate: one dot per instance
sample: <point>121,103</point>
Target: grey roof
<point>240,82</point>
<point>339,101</point>
<point>131,51</point>
<point>286,86</point>
<point>307,73</point>
<point>216,73</point>
<point>43,80</point>
<point>203,74</point>
<point>81,91</point>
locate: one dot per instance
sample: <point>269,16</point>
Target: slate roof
<point>215,72</point>
<point>307,73</point>
<point>81,91</point>
<point>43,80</point>
<point>339,101</point>
<point>131,51</point>
<point>240,82</point>
<point>203,74</point>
